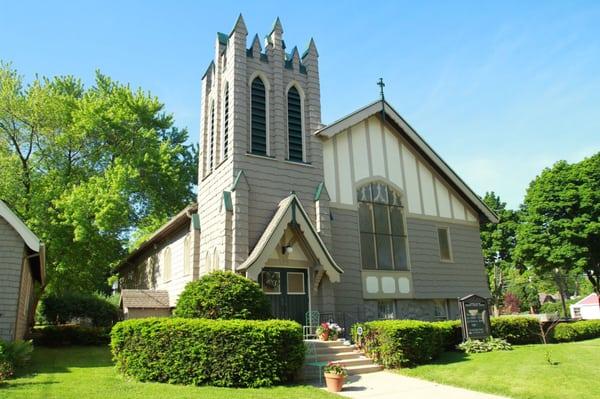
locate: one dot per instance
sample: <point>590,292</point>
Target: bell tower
<point>260,106</point>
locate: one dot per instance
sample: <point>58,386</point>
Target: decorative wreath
<point>271,280</point>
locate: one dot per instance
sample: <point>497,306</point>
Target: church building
<point>359,219</point>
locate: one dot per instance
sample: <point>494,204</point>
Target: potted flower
<point>329,331</point>
<point>323,331</point>
<point>335,376</point>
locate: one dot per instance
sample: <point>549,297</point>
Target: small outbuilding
<point>22,265</point>
<point>586,309</point>
<point>145,303</point>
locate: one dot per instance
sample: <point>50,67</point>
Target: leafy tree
<point>560,230</point>
<point>498,243</point>
<point>86,167</point>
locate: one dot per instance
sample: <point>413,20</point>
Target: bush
<point>70,335</point>
<point>227,353</point>
<point>223,295</point>
<point>488,345</point>
<point>517,330</point>
<point>13,355</point>
<point>62,309</point>
<point>577,331</point>
<point>451,332</point>
<point>398,343</point>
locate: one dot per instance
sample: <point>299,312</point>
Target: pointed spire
<point>312,49</point>
<point>277,27</point>
<point>295,58</point>
<point>256,48</point>
<point>240,26</point>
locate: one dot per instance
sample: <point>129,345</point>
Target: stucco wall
<point>12,249</point>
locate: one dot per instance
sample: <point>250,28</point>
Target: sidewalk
<point>388,385</point>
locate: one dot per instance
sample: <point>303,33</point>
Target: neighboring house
<point>586,309</point>
<point>22,261</point>
<point>144,303</point>
<point>360,219</point>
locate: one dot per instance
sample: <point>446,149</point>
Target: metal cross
<point>381,86</point>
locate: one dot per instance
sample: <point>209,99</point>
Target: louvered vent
<point>212,136</point>
<point>226,123</point>
<point>294,125</point>
<point>259,118</point>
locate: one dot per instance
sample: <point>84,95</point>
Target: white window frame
<point>287,277</point>
<point>267,85</point>
<point>167,264</point>
<point>302,122</point>
<point>262,276</point>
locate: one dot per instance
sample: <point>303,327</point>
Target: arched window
<point>167,264</point>
<point>383,241</point>
<point>208,262</point>
<point>258,143</point>
<point>294,110</point>
<point>215,265</point>
<point>212,136</point>
<point>186,255</point>
<point>226,121</point>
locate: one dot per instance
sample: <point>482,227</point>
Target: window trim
<point>167,277</point>
<point>187,252</point>
<point>298,88</point>
<point>267,85</point>
<point>450,251</point>
<point>262,276</point>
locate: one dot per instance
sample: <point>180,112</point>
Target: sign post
<point>474,317</point>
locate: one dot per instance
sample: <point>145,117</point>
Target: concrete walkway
<point>388,385</point>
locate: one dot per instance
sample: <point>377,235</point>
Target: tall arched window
<point>258,116</point>
<point>226,121</point>
<point>383,241</point>
<point>212,136</point>
<point>167,264</point>
<point>295,152</point>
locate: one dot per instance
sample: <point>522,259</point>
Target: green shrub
<point>13,354</point>
<point>62,309</point>
<point>228,353</point>
<point>451,332</point>
<point>577,331</point>
<point>487,345</point>
<point>223,295</point>
<point>517,330</point>
<point>70,335</point>
<point>398,343</point>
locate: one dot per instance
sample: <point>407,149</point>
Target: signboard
<point>474,317</point>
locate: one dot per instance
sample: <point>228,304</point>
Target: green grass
<point>522,373</point>
<point>88,372</point>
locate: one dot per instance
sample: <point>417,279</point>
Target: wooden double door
<point>287,289</point>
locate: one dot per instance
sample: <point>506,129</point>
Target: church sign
<point>474,317</point>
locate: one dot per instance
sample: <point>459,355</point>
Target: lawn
<point>523,373</point>
<point>88,372</point>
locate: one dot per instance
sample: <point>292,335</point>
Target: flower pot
<point>324,336</point>
<point>335,382</point>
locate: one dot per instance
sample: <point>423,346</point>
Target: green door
<point>288,291</point>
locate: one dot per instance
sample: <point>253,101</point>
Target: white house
<point>586,309</point>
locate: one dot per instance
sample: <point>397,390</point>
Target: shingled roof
<point>148,299</point>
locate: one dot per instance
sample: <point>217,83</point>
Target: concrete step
<point>334,349</point>
<point>356,361</point>
<point>331,357</point>
<point>364,369</point>
<point>319,343</point>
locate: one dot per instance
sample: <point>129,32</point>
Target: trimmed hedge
<point>62,309</point>
<point>227,353</point>
<point>66,335</point>
<point>516,330</point>
<point>399,343</point>
<point>223,295</point>
<point>577,331</point>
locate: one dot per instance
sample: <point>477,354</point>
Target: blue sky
<point>500,90</point>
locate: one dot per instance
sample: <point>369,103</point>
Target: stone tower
<point>240,187</point>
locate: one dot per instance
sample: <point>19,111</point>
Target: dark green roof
<point>223,38</point>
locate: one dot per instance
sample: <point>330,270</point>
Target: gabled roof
<point>591,299</point>
<point>16,223</point>
<point>148,299</point>
<point>394,118</point>
<point>290,211</point>
<point>187,214</point>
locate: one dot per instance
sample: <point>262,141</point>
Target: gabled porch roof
<point>290,212</point>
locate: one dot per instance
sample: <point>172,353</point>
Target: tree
<point>560,230</point>
<point>498,243</point>
<point>87,167</point>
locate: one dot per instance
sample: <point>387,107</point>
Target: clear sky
<point>498,90</point>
